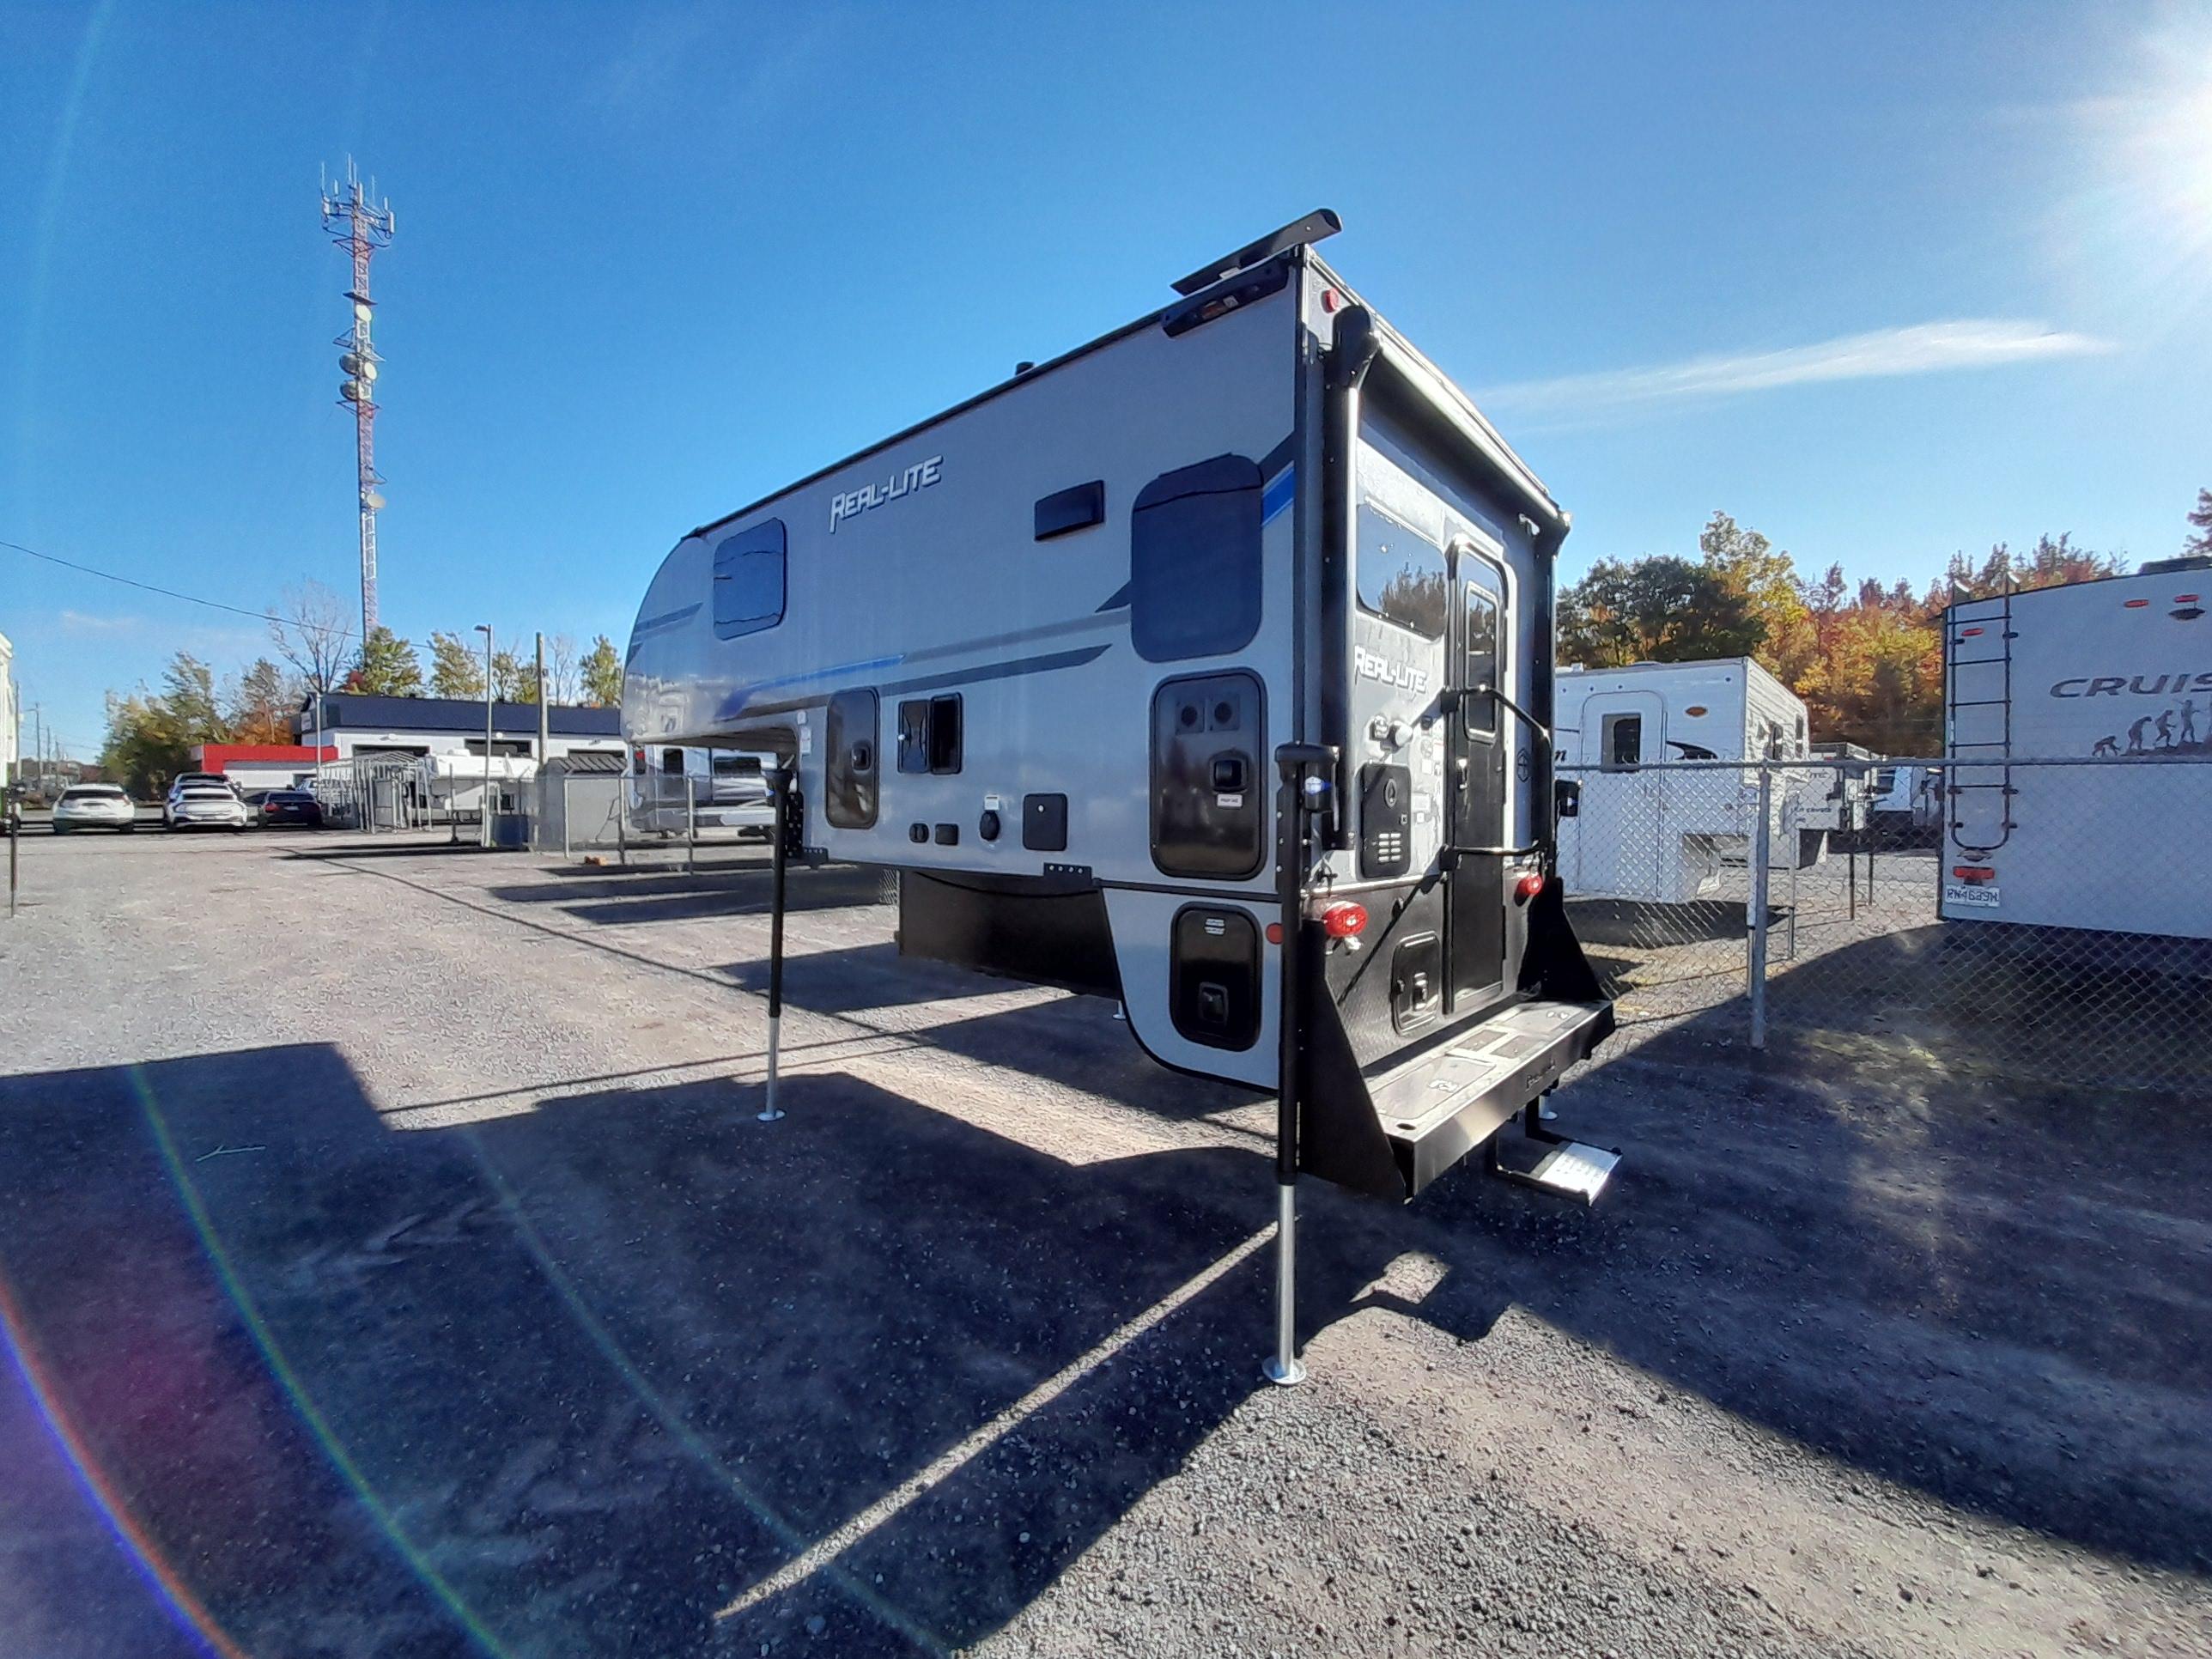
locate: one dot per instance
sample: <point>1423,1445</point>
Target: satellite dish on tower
<point>372,500</point>
<point>351,390</point>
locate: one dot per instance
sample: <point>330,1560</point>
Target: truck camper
<point>1659,821</point>
<point>1207,666</point>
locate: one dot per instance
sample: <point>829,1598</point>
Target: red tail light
<point>1527,887</point>
<point>1274,932</point>
<point>1973,872</point>
<point>268,805</point>
<point>1343,921</point>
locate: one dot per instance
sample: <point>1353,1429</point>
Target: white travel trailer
<point>1207,666</point>
<point>675,790</point>
<point>1904,806</point>
<point>1661,836</point>
<point>2117,672</point>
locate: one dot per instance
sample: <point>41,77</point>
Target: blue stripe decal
<point>1278,493</point>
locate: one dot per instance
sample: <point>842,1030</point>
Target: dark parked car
<point>294,807</point>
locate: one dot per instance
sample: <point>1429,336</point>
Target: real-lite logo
<point>850,503</point>
<point>1371,667</point>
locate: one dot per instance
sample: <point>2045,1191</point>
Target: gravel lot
<point>393,1265</point>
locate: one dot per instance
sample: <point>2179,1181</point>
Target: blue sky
<point>1886,283</point>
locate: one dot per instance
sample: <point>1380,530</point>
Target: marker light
<point>1343,921</point>
<point>1973,872</point>
<point>1274,932</point>
<point>2138,604</point>
<point>1527,887</point>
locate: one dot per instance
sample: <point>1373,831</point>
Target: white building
<point>352,726</point>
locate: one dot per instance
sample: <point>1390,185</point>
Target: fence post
<point>1761,848</point>
<point>622,838</point>
<point>564,817</point>
<point>690,824</point>
<point>15,834</point>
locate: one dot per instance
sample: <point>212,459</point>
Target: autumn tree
<point>2051,561</point>
<point>1654,610</point>
<point>387,667</point>
<point>1765,578</point>
<point>1879,681</point>
<point>260,705</point>
<point>602,671</point>
<point>455,669</point>
<point>2199,543</point>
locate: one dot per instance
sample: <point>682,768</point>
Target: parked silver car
<point>95,806</point>
<point>206,806</point>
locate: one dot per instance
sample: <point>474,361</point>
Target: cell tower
<point>361,227</point>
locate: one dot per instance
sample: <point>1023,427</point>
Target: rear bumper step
<point>1426,1114</point>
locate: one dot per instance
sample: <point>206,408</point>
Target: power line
<point>172,594</point>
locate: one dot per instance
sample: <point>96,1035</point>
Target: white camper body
<point>2116,671</point>
<point>1058,655</point>
<point>1661,836</point>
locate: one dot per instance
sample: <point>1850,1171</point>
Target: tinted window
<point>1195,560</point>
<point>1482,658</point>
<point>749,580</point>
<point>1624,740</point>
<point>1401,575</point>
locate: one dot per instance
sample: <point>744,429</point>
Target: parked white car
<point>95,806</point>
<point>206,806</point>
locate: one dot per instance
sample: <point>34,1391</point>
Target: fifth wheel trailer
<point>1207,666</point>
<point>2112,680</point>
<point>1647,832</point>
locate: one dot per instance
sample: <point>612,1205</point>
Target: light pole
<point>483,830</point>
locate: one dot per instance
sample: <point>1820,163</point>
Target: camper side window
<point>748,569</point>
<point>672,761</point>
<point>1624,740</point>
<point>1401,575</point>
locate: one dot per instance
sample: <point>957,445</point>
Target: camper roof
<point>1289,243</point>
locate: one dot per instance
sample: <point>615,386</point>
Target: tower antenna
<point>362,228</point>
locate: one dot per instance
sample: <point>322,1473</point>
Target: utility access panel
<point>1207,791</point>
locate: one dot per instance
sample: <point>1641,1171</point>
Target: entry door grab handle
<point>1494,852</point>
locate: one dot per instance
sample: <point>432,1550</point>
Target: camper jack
<point>1207,667</point>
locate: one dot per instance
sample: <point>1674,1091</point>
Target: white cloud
<point>81,624</point>
<point>1919,348</point>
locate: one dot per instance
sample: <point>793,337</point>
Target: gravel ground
<point>392,1264</point>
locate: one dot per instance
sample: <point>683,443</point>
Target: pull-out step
<point>1431,1110</point>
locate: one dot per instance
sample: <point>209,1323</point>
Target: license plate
<point>1971,898</point>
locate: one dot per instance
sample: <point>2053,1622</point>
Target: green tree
<point>1765,578</point>
<point>151,735</point>
<point>2200,524</point>
<point>387,667</point>
<point>1655,610</point>
<point>512,680</point>
<point>455,669</point>
<point>603,674</point>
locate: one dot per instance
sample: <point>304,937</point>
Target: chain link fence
<point>2025,917</point>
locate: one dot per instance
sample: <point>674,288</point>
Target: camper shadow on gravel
<point>643,895</point>
<point>591,1377</point>
<point>584,1377</point>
